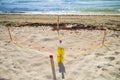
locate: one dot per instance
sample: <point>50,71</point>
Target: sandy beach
<point>34,38</point>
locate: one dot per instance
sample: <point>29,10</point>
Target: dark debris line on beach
<point>63,26</point>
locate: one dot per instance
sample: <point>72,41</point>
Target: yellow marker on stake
<point>60,56</point>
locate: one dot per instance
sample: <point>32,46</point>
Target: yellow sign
<point>60,56</point>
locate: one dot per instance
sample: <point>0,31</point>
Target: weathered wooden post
<point>10,33</point>
<point>53,67</point>
<point>103,41</point>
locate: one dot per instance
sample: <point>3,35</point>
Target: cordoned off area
<point>43,38</point>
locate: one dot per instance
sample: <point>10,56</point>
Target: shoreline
<point>63,13</point>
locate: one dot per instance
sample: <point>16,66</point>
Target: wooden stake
<point>53,67</point>
<point>58,25</point>
<point>10,34</point>
<point>104,38</point>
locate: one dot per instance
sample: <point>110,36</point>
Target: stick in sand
<point>10,34</point>
<point>58,25</point>
<point>104,38</point>
<point>53,67</point>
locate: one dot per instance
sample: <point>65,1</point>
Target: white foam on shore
<point>67,13</point>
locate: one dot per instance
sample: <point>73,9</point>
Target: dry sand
<point>28,59</point>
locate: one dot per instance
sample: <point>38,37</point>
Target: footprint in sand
<point>116,53</point>
<point>99,54</point>
<point>48,76</point>
<point>4,79</point>
<point>110,58</point>
<point>75,73</point>
<point>36,64</point>
<point>118,62</point>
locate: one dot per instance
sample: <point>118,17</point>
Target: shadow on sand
<point>61,69</point>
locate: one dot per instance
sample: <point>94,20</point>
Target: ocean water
<point>59,6</point>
